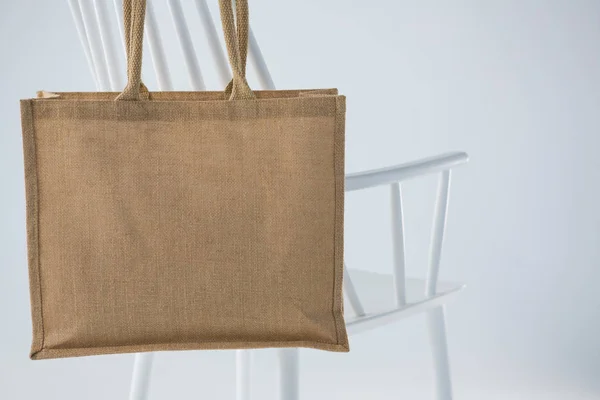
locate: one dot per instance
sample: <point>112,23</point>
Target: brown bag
<point>185,220</point>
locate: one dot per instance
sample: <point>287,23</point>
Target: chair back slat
<point>437,233</point>
<point>78,20</point>
<point>109,46</point>
<point>216,49</point>
<point>399,272</point>
<point>258,61</point>
<point>187,47</point>
<point>118,8</point>
<point>95,44</point>
<point>157,52</point>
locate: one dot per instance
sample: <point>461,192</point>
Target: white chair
<point>368,308</point>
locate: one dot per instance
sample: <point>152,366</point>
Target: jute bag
<point>185,220</point>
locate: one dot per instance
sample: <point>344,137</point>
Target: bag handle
<point>134,12</point>
<point>134,15</point>
<point>243,28</point>
<point>236,41</point>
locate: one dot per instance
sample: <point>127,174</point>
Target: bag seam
<point>183,346</point>
<point>37,234</point>
<point>337,282</point>
<point>39,331</point>
<point>335,222</point>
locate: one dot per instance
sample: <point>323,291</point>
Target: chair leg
<point>140,382</point>
<point>289,374</point>
<point>436,322</point>
<point>243,363</point>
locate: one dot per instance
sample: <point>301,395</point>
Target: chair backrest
<point>102,41</point>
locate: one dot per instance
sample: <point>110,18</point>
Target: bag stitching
<point>38,295</point>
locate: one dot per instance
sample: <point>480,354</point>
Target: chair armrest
<point>401,172</point>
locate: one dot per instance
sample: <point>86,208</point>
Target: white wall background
<point>515,83</point>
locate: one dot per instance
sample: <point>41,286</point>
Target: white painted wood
<point>258,62</point>
<point>79,26</point>
<point>243,362</point>
<point>95,43</point>
<point>115,73</point>
<point>398,173</point>
<point>140,381</point>
<point>157,52</point>
<point>289,374</point>
<point>118,7</point>
<point>437,233</point>
<point>436,323</point>
<point>398,243</point>
<point>436,318</point>
<point>187,47</point>
<point>213,41</point>
<point>373,287</point>
<point>351,294</point>
<point>381,310</point>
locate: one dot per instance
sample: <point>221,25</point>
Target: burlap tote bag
<point>185,220</point>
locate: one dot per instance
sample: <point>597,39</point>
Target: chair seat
<point>376,292</point>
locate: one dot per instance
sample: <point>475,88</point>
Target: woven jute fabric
<point>185,220</point>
